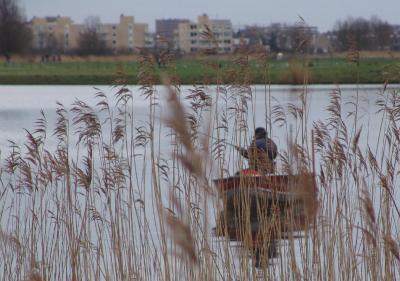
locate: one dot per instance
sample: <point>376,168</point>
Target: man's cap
<point>260,131</point>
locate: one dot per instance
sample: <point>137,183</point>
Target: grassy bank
<point>209,71</point>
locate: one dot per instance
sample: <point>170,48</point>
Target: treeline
<point>373,34</point>
<point>352,33</point>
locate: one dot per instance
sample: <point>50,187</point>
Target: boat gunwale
<point>273,183</point>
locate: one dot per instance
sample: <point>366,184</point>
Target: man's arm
<point>242,151</point>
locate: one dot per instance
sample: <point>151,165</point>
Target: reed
<point>127,196</point>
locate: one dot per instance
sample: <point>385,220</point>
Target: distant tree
<point>299,36</point>
<point>273,42</point>
<point>15,36</point>
<point>49,43</point>
<point>363,34</point>
<point>90,40</point>
<point>53,46</point>
<point>381,32</point>
<point>351,33</point>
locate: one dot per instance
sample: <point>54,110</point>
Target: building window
<point>193,34</point>
<point>114,42</point>
<point>193,26</point>
<point>193,41</point>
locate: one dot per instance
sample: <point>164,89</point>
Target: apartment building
<point>165,31</point>
<point>279,37</point>
<point>143,38</point>
<point>191,38</point>
<point>126,36</point>
<point>54,33</point>
<point>62,35</point>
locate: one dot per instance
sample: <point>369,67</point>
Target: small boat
<point>265,208</point>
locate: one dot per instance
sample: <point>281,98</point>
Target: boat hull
<point>264,208</point>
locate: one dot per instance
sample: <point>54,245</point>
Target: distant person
<point>8,59</point>
<point>261,153</point>
<point>45,58</point>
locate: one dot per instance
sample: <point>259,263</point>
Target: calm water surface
<point>20,105</point>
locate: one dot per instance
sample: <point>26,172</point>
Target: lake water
<point>20,107</point>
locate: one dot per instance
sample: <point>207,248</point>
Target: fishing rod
<point>217,139</point>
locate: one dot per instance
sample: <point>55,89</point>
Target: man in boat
<point>261,153</point>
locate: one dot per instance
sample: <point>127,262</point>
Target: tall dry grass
<point>129,197</point>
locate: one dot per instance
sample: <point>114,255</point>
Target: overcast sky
<point>320,13</point>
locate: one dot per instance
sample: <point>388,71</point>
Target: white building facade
<point>205,35</point>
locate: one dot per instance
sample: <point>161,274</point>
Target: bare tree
<point>15,36</point>
<point>90,39</point>
<point>381,32</point>
<point>49,43</point>
<point>363,34</point>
